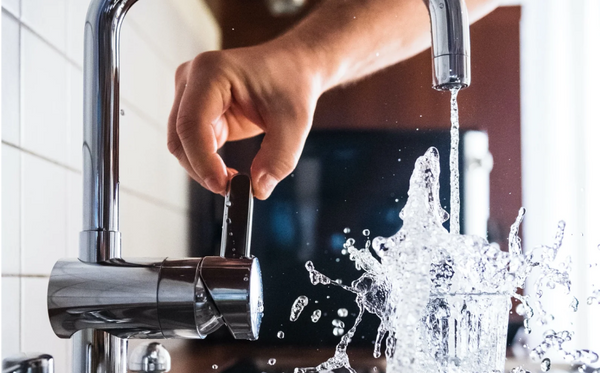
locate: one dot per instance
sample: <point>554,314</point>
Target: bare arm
<point>274,87</point>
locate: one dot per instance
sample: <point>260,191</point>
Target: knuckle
<point>175,147</point>
<point>181,71</point>
<point>282,166</point>
<point>185,127</point>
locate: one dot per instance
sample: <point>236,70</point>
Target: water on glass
<point>443,298</point>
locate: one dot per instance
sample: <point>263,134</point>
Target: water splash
<point>443,298</point>
<point>316,315</point>
<point>298,307</point>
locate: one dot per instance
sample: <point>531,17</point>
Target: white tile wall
<point>44,214</point>
<point>11,311</point>
<point>48,19</point>
<point>10,77</point>
<point>13,6</point>
<point>11,211</point>
<point>42,58</point>
<point>44,92</point>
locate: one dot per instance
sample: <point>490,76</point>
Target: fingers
<point>279,153</point>
<point>197,129</point>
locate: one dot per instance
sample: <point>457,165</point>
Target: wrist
<point>310,60</point>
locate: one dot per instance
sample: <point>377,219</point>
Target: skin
<point>273,88</point>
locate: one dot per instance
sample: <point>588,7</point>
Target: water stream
<point>443,298</point>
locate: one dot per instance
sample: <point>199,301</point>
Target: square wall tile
<point>36,332</point>
<point>13,6</point>
<point>74,213</point>
<point>75,117</point>
<point>11,210</point>
<point>11,309</point>
<point>76,15</point>
<point>44,99</point>
<point>10,78</point>
<point>48,19</point>
<point>44,215</point>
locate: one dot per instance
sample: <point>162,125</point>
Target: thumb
<point>279,153</point>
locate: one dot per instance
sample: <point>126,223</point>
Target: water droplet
<point>215,366</point>
<point>230,233</point>
<point>122,112</point>
<point>246,279</point>
<point>344,252</point>
<point>228,220</point>
<point>228,203</point>
<point>545,365</point>
<point>366,232</point>
<point>338,332</point>
<point>338,323</point>
<point>297,307</point>
<point>396,200</point>
<point>337,260</point>
<point>280,334</point>
<point>346,230</point>
<point>342,312</point>
<point>574,304</point>
<point>316,315</point>
<point>272,361</point>
<point>591,300</point>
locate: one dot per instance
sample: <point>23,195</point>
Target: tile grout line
<point>154,201</point>
<point>50,160</point>
<point>20,276</point>
<point>133,192</point>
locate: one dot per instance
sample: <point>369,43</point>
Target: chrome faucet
<point>102,300</point>
<point>450,44</point>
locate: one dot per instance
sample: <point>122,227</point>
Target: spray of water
<point>443,298</point>
<point>424,279</point>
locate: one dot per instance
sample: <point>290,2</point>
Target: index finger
<point>201,128</point>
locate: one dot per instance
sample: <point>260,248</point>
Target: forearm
<point>345,40</point>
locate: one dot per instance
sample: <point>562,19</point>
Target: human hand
<point>236,94</point>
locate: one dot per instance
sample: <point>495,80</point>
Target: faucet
<point>102,300</point>
<point>450,44</point>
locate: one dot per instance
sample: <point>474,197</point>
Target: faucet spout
<point>450,44</point>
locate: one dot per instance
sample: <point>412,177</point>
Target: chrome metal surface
<point>451,46</point>
<point>142,299</point>
<point>150,357</point>
<point>237,218</point>
<point>101,352</point>
<point>28,363</point>
<point>95,351</point>
<point>234,278</point>
<point>101,293</point>
<point>235,285</point>
<point>101,115</point>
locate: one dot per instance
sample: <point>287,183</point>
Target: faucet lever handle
<point>237,218</point>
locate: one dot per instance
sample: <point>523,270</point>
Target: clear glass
<point>465,333</point>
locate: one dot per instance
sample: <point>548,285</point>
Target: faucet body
<point>101,300</point>
<point>450,44</point>
<point>92,300</point>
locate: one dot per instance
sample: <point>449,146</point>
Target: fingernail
<point>213,184</point>
<point>267,183</point>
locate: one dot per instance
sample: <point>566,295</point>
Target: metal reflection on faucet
<point>450,44</point>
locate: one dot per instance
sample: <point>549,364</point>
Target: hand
<point>236,94</point>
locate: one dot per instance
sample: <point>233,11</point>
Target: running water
<point>443,298</point>
<point>454,172</point>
